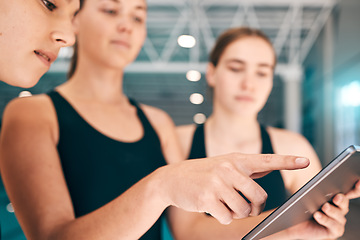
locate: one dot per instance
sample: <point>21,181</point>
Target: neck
<point>233,128</point>
<point>95,83</point>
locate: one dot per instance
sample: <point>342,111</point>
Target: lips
<point>47,57</point>
<point>244,98</point>
<point>121,43</point>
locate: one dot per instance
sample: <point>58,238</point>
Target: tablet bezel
<point>282,217</point>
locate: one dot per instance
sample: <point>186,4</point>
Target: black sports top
<point>272,183</point>
<point>97,168</point>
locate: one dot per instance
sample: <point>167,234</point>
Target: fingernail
<point>326,206</point>
<point>317,215</point>
<point>339,198</point>
<point>301,161</point>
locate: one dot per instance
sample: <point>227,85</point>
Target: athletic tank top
<point>97,168</point>
<point>272,183</point>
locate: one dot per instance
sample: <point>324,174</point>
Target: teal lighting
<point>350,94</point>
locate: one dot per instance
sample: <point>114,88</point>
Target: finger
<point>252,192</point>
<point>333,227</point>
<point>220,212</point>
<point>355,192</point>
<point>236,203</point>
<point>263,163</point>
<point>334,212</point>
<point>342,202</point>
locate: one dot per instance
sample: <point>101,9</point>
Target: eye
<point>261,74</point>
<point>138,19</point>
<point>236,69</point>
<point>49,5</point>
<point>110,11</point>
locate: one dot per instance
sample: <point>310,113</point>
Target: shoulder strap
<point>198,143</point>
<point>148,128</point>
<point>266,141</point>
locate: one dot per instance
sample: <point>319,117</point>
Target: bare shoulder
<point>165,128</point>
<point>288,142</point>
<point>185,134</point>
<point>28,107</point>
<point>158,118</point>
<point>186,131</point>
<point>30,113</point>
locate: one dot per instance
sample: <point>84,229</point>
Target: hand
<point>328,224</point>
<point>210,185</point>
<point>355,192</point>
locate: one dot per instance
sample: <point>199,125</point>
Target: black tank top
<point>97,168</point>
<point>272,183</point>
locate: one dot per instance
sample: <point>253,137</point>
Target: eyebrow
<point>243,62</point>
<point>118,1</point>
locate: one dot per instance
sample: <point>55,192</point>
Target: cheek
<point>265,89</point>
<point>139,38</point>
<point>225,89</point>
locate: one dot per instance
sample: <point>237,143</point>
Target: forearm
<point>128,216</point>
<point>206,227</point>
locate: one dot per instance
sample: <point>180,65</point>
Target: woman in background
<point>241,72</point>
<point>86,162</point>
<point>31,35</point>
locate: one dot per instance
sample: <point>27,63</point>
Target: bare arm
<point>330,222</point>
<point>186,225</point>
<point>203,226</point>
<point>35,183</point>
<point>199,226</point>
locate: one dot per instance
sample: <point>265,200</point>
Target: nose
<point>64,33</point>
<point>247,83</point>
<point>125,24</point>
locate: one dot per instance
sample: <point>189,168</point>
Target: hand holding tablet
<point>339,176</point>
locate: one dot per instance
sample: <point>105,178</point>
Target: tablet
<point>339,176</point>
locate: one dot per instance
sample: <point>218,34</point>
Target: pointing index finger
<point>265,163</point>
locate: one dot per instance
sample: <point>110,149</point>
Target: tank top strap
<point>198,143</point>
<point>62,107</point>
<point>267,147</point>
<point>148,128</point>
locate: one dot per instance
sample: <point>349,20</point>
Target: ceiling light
<point>199,118</point>
<point>186,41</point>
<point>196,98</point>
<point>193,75</point>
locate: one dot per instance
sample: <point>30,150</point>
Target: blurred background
<point>316,85</point>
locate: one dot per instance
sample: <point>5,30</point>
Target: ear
<point>210,74</point>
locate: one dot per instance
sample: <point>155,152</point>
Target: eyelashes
<point>49,5</point>
<point>112,12</point>
<point>116,12</point>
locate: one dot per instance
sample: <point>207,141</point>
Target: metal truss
<point>292,25</point>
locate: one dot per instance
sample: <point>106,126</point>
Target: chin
<point>244,112</point>
<point>23,81</point>
<point>117,64</point>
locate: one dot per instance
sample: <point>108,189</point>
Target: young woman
<point>31,35</point>
<point>241,72</point>
<point>86,162</point>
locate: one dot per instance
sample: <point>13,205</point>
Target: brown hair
<point>231,35</point>
<point>73,62</point>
